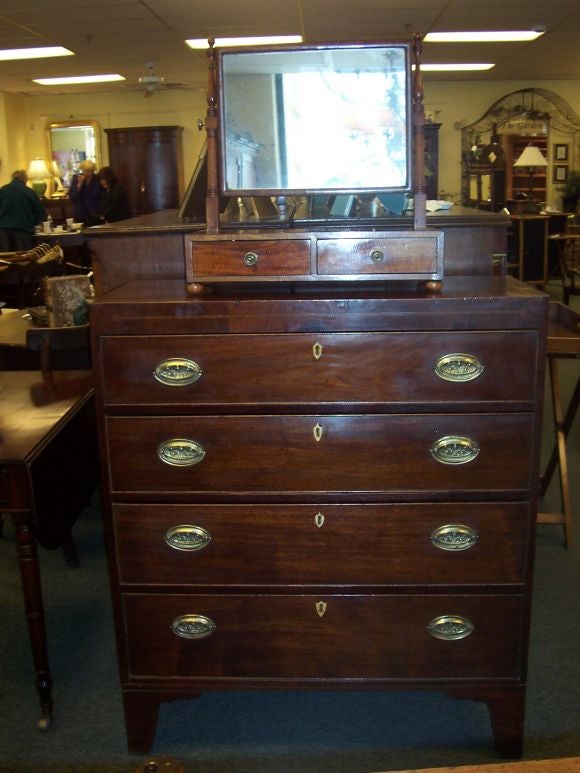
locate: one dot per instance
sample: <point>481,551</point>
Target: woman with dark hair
<point>115,204</point>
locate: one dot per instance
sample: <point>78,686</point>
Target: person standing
<point>86,195</point>
<point>20,211</point>
<point>115,204</point>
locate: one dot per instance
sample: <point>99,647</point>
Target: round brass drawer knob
<point>250,259</point>
<point>193,626</point>
<point>177,371</point>
<point>187,537</point>
<point>450,627</point>
<point>181,452</point>
<point>377,256</point>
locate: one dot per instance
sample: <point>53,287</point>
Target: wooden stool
<point>563,341</point>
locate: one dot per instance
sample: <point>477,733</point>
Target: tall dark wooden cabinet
<point>148,161</point>
<point>432,160</point>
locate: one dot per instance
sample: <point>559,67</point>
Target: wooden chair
<point>61,348</point>
<point>569,259</point>
<point>21,274</point>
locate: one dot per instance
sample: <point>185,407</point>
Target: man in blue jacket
<point>20,212</point>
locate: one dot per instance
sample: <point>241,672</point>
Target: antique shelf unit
<point>320,454</point>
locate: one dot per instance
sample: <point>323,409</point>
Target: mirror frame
<point>72,124</point>
<point>417,129</point>
<point>240,51</point>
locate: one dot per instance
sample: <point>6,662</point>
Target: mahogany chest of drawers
<point>321,489</point>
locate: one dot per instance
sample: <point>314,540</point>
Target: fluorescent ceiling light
<point>473,66</point>
<point>78,79</point>
<point>484,36</point>
<point>10,54</point>
<point>256,41</point>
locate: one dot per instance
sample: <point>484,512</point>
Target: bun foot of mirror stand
<point>141,712</point>
<point>433,285</point>
<point>506,706</point>
<point>194,288</point>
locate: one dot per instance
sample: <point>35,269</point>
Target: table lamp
<point>37,174</point>
<point>58,187</point>
<point>531,158</point>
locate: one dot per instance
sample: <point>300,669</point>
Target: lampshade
<point>37,169</point>
<point>531,156</point>
<point>37,173</point>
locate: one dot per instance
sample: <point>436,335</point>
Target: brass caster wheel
<point>45,723</point>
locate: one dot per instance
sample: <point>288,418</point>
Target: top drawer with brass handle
<point>248,258</point>
<point>311,368</point>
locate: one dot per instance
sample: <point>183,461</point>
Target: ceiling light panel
<point>484,36</point>
<point>42,52</point>
<point>68,81</point>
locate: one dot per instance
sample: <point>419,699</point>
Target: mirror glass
<point>313,120</point>
<point>69,143</point>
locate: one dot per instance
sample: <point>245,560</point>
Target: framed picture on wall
<point>560,174</point>
<point>560,153</point>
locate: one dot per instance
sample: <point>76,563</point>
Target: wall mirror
<point>314,120</point>
<point>69,143</point>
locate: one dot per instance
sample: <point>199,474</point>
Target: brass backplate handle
<point>458,367</point>
<point>187,537</point>
<point>450,627</point>
<point>455,449</point>
<point>454,537</point>
<point>181,452</point>
<point>177,371</point>
<point>193,626</point>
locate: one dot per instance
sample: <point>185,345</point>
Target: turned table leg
<point>32,592</point>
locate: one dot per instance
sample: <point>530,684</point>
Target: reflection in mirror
<point>69,143</point>
<point>315,120</point>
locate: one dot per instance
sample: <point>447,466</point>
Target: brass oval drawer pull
<point>377,256</point>
<point>458,367</point>
<point>181,452</point>
<point>454,449</point>
<point>177,371</point>
<point>250,259</point>
<point>454,536</point>
<point>193,626</point>
<point>187,537</point>
<point>450,627</point>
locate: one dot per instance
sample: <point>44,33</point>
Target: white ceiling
<point>125,35</point>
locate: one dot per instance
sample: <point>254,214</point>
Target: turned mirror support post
<point>419,195</point>
<point>211,125</point>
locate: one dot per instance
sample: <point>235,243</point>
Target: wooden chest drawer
<point>279,545</point>
<point>323,636</point>
<point>411,253</point>
<point>407,368</point>
<point>249,258</point>
<point>300,455</point>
